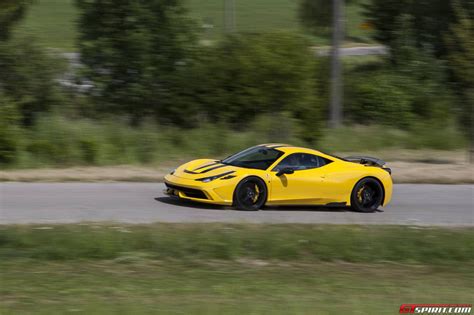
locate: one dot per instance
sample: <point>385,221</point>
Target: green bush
<point>401,94</point>
<point>10,133</point>
<point>432,20</point>
<point>134,53</point>
<point>11,11</point>
<point>29,78</point>
<point>248,75</point>
<point>379,98</point>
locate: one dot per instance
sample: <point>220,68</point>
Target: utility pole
<point>335,119</point>
<point>229,16</point>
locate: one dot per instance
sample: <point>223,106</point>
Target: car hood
<point>203,168</point>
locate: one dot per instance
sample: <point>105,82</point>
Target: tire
<point>250,194</point>
<point>367,195</point>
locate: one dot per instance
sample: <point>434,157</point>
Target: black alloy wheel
<point>367,195</point>
<point>250,194</point>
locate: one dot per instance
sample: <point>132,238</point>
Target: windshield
<point>256,157</point>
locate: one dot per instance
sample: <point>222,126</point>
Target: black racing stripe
<point>213,168</point>
<point>204,166</point>
<point>226,174</point>
<point>190,172</point>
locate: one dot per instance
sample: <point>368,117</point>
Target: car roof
<point>288,148</point>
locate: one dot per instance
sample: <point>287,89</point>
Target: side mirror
<point>286,170</point>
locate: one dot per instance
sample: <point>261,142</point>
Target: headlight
<point>211,178</point>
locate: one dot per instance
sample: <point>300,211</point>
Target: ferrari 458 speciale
<point>279,174</point>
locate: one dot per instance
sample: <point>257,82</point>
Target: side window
<point>301,161</point>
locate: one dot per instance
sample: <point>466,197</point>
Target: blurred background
<point>144,82</point>
<point>126,90</point>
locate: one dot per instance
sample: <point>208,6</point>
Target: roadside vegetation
<point>247,287</point>
<point>230,269</point>
<point>188,242</point>
<point>55,141</point>
<point>173,96</point>
<point>157,86</point>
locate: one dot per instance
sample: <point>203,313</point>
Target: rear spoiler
<point>366,160</point>
<point>369,161</point>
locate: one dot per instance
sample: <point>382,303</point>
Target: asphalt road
<point>354,51</point>
<point>447,205</point>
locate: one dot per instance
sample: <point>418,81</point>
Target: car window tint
<point>301,161</point>
<point>256,157</point>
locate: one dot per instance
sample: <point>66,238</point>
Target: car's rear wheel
<point>250,194</point>
<point>367,195</point>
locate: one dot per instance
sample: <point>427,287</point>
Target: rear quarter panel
<point>342,176</point>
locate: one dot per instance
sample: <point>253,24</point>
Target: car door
<point>304,186</point>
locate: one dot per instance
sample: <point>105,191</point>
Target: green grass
<point>250,15</point>
<point>231,269</point>
<point>373,138</point>
<point>58,142</point>
<point>53,22</point>
<point>147,287</point>
<point>302,243</point>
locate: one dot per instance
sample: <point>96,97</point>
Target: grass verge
<point>231,269</point>
<point>151,287</point>
<point>188,242</point>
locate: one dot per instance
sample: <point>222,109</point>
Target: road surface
<point>354,51</point>
<point>442,205</point>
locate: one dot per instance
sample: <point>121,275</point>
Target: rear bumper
<point>387,185</point>
<point>191,190</point>
<point>388,190</point>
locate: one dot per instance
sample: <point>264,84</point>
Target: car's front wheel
<point>250,194</point>
<point>367,195</point>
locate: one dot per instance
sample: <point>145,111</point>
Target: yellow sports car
<point>280,174</point>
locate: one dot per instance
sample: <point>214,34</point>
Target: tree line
<point>147,65</point>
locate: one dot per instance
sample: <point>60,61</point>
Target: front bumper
<point>213,192</point>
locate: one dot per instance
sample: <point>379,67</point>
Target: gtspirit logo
<point>435,308</point>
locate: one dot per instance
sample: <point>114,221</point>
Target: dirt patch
<point>415,172</point>
<point>86,174</point>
